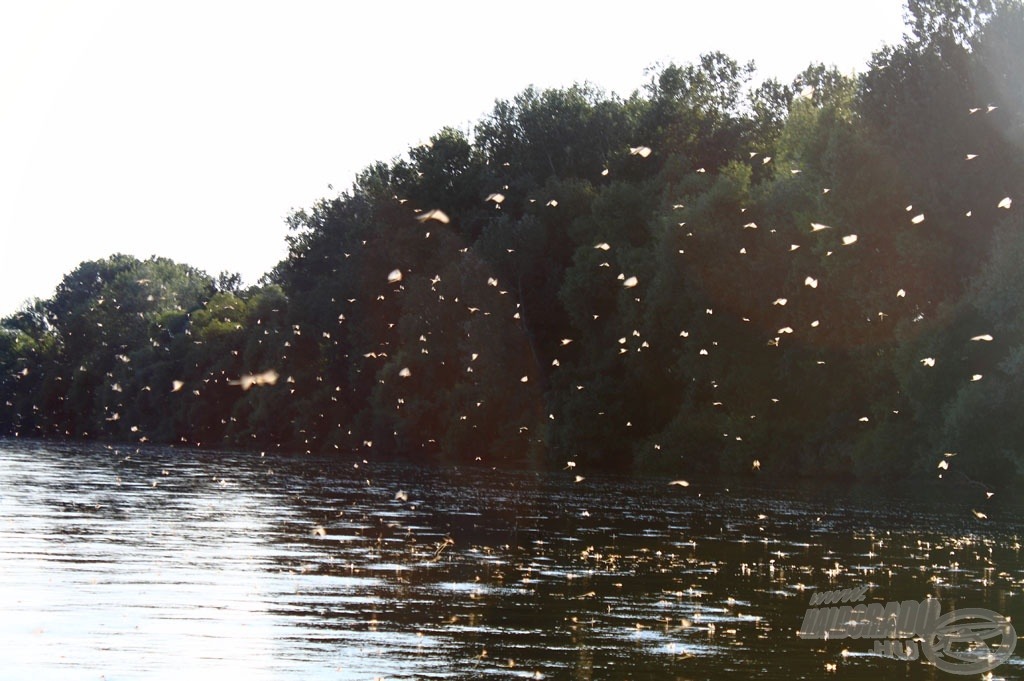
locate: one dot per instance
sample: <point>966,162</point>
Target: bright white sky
<point>191,129</point>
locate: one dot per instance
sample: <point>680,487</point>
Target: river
<point>156,563</point>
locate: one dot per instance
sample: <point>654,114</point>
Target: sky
<point>190,130</point>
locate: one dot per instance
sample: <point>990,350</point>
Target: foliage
<point>618,282</point>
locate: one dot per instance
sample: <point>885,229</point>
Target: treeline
<point>820,278</point>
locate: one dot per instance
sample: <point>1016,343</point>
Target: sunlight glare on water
<point>157,563</point>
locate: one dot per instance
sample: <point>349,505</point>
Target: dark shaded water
<point>155,563</point>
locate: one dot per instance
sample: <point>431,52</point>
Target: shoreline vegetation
<point>818,279</point>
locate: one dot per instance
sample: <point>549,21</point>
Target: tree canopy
<point>710,275</point>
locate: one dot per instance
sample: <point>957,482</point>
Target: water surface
<point>152,563</point>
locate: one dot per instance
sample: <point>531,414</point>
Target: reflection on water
<point>157,563</point>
